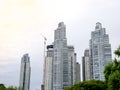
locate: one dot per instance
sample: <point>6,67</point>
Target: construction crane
<point>45,39</point>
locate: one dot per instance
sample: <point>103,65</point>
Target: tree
<point>117,52</point>
<point>88,85</point>
<point>12,88</point>
<point>114,81</point>
<point>2,87</point>
<point>112,73</point>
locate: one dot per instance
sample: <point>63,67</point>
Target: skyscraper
<point>48,68</point>
<point>71,65</point>
<point>25,71</point>
<point>60,60</point>
<point>86,65</point>
<point>100,52</point>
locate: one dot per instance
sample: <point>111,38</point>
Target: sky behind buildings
<point>22,21</point>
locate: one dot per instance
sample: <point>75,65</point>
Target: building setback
<point>100,52</point>
<point>25,71</point>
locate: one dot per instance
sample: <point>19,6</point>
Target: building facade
<point>60,60</point>
<point>48,68</point>
<point>78,76</point>
<point>71,65</point>
<point>100,52</point>
<point>61,69</point>
<point>25,71</point>
<point>86,65</point>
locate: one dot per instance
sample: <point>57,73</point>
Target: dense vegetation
<point>2,87</point>
<point>89,85</point>
<point>112,78</point>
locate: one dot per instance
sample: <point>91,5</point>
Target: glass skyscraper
<point>60,60</point>
<point>25,71</point>
<point>100,52</point>
<point>61,69</point>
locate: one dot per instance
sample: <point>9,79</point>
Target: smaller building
<point>48,68</point>
<point>71,65</point>
<point>25,71</point>
<point>86,66</point>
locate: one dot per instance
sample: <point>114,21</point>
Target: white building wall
<point>48,68</point>
<point>87,69</point>
<point>87,64</point>
<point>48,73</point>
<point>71,65</point>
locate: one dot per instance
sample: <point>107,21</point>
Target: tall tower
<point>60,60</point>
<point>25,71</point>
<point>48,68</point>
<point>100,52</point>
<point>86,65</point>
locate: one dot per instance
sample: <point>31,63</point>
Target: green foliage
<point>107,70</point>
<point>89,85</point>
<point>12,88</point>
<point>2,87</point>
<point>114,81</point>
<point>112,73</point>
<point>117,52</point>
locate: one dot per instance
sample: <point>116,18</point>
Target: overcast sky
<point>22,21</point>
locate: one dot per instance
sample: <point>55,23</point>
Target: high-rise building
<point>100,52</point>
<point>78,78</point>
<point>86,66</point>
<point>48,68</point>
<point>60,66</point>
<point>25,71</point>
<point>60,60</point>
<point>71,65</point>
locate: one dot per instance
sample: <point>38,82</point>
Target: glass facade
<point>25,71</point>
<point>100,52</point>
<point>60,67</point>
<point>60,60</point>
